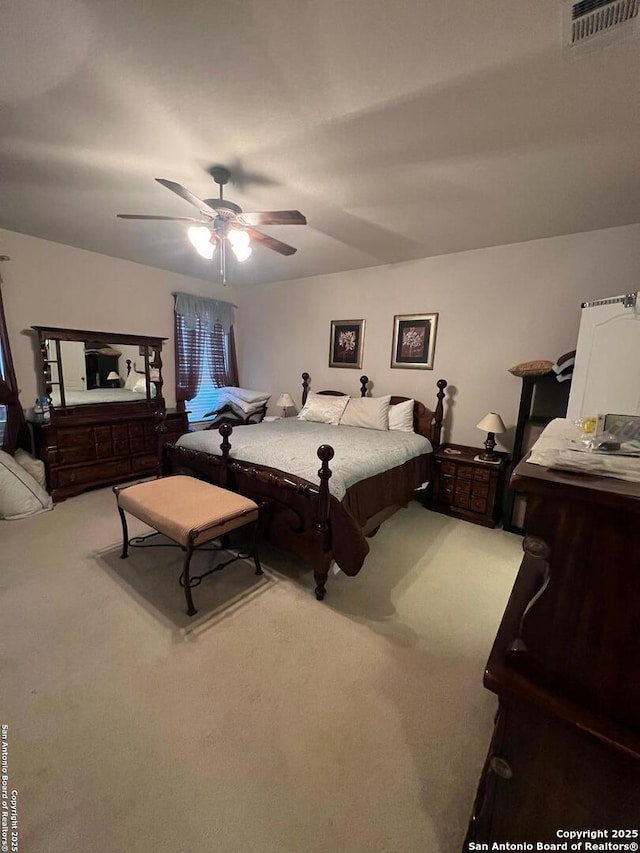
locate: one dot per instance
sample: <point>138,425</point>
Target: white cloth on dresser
<point>556,449</point>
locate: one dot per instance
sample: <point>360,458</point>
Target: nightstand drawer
<point>448,468</point>
<point>480,490</point>
<point>445,496</point>
<point>482,475</point>
<point>478,503</point>
<point>464,472</point>
<point>461,499</point>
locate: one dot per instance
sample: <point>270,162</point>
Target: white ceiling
<point>401,128</point>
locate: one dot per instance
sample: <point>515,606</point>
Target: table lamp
<point>114,379</point>
<point>491,424</point>
<point>284,401</point>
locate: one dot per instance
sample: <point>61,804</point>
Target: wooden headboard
<point>425,422</point>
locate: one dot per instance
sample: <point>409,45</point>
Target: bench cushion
<point>177,506</point>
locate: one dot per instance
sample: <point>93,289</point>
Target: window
<point>205,356</point>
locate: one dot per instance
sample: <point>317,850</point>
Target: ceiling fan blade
<point>167,218</point>
<point>274,217</point>
<point>270,242</point>
<point>184,193</point>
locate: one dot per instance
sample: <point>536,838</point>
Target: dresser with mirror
<point>106,418</point>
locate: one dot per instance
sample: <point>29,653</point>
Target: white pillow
<point>245,394</point>
<point>323,408</point>
<point>367,412</point>
<point>140,386</point>
<point>32,466</point>
<point>131,379</point>
<point>401,416</point>
<point>20,494</point>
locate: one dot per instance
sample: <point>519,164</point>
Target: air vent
<point>588,20</point>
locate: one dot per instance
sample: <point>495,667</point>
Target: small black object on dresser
<point>565,665</point>
<point>465,487</point>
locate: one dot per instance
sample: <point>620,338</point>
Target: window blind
<point>203,364</point>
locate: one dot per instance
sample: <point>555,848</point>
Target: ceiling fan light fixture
<point>238,237</point>
<point>241,252</point>
<point>240,243</point>
<point>200,239</point>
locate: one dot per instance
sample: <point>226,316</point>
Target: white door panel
<point>606,376</point>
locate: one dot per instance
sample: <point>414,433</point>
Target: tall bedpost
<point>364,381</point>
<point>305,387</point>
<point>436,428</point>
<point>225,431</point>
<point>321,568</point>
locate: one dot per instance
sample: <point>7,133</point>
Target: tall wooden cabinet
<point>565,666</point>
<point>542,399</point>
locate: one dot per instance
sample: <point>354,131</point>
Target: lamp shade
<point>284,401</point>
<point>492,423</point>
<point>113,376</point>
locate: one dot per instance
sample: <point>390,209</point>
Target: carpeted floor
<point>269,722</point>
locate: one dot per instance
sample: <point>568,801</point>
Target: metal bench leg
<point>125,535</point>
<point>254,547</point>
<point>185,582</point>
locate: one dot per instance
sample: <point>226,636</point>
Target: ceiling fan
<point>224,222</point>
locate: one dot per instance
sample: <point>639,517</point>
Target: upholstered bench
<point>190,513</point>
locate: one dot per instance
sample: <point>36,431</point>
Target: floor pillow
<point>20,494</point>
<point>32,466</point>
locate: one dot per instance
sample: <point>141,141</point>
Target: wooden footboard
<point>298,513</point>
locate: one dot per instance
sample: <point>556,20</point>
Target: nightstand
<point>466,488</point>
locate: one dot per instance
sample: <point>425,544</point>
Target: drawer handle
<point>501,767</point>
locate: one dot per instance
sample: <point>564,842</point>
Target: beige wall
<point>48,284</point>
<point>497,307</point>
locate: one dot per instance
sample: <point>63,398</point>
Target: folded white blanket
<point>554,450</point>
<point>246,394</point>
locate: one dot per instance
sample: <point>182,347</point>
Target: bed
<point>320,514</point>
<point>97,395</point>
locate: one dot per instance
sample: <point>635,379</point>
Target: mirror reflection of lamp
<point>491,424</point>
<point>285,401</point>
<point>113,379</point>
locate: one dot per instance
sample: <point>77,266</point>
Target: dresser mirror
<point>82,371</point>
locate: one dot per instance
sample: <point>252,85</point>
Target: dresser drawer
<point>145,462</point>
<point>100,472</point>
<point>70,455</point>
<point>77,437</point>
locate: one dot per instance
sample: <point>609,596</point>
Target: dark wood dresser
<point>565,666</point>
<point>466,488</point>
<point>102,448</point>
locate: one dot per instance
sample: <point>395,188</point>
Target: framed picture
<point>345,347</point>
<point>414,340</point>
